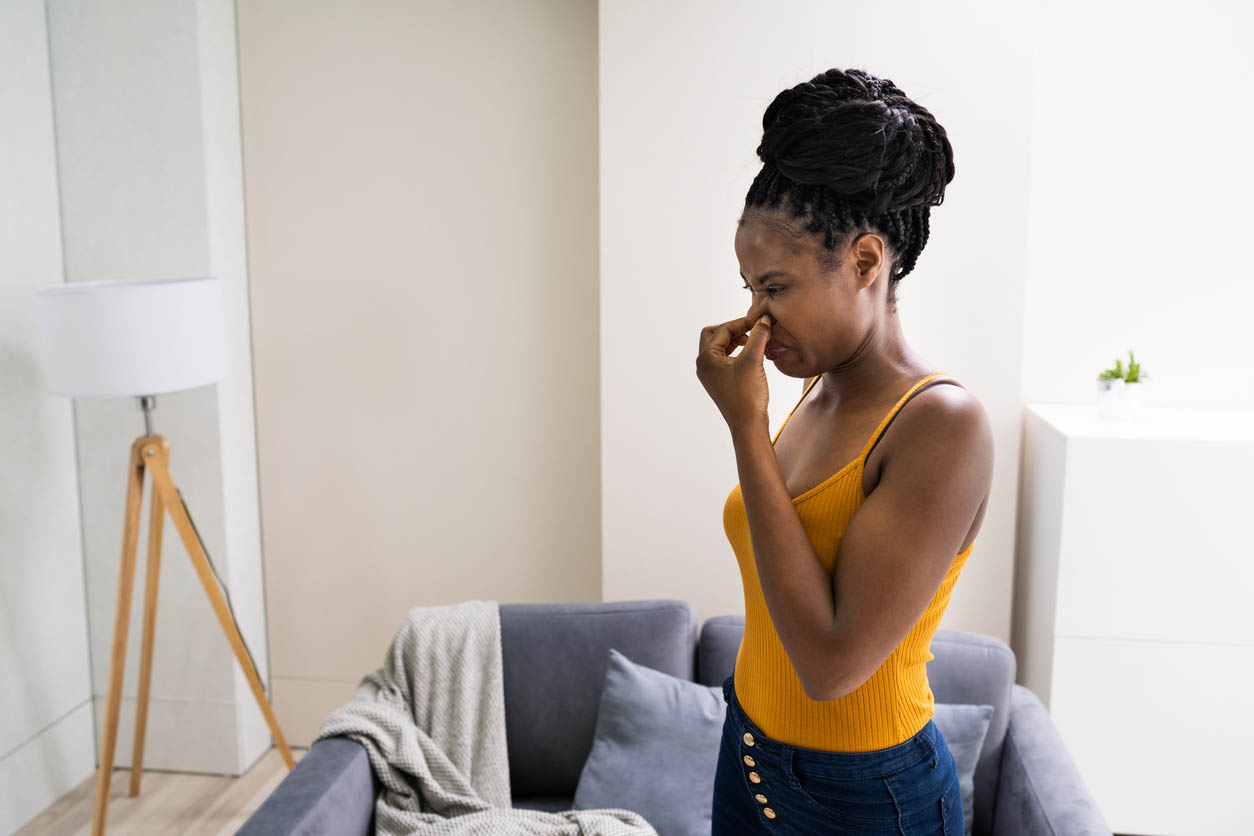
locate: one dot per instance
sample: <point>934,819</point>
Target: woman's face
<point>825,319</point>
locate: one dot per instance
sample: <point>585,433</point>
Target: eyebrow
<point>769,274</point>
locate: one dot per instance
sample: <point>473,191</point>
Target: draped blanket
<point>432,720</point>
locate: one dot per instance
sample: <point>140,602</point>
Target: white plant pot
<point>1117,399</point>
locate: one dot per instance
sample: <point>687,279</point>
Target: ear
<point>870,256</point>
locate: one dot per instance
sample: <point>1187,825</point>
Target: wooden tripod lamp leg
<point>121,624</point>
<point>156,525</point>
<point>156,459</point>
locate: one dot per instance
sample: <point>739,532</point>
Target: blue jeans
<point>765,786</point>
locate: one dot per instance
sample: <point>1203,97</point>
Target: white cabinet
<point>1134,608</point>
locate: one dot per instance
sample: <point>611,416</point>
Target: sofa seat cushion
<point>547,803</point>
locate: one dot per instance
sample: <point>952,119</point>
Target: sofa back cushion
<point>554,658</point>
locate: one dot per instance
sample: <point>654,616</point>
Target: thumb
<point>759,334</point>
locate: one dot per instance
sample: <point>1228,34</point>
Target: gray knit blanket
<point>432,720</point>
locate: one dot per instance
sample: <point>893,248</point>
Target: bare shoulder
<point>947,418</point>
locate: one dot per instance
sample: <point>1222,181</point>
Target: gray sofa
<point>554,658</point>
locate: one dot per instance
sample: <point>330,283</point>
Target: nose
<point>756,312</point>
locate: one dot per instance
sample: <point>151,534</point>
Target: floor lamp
<point>140,338</point>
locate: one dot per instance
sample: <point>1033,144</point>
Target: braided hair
<point>852,153</point>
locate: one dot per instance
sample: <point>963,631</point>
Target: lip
<point>775,353</point>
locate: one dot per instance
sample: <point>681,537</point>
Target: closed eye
<point>768,290</point>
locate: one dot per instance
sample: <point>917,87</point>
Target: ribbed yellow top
<point>890,707</point>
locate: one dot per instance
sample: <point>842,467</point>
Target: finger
<point>755,345</point>
<point>717,337</point>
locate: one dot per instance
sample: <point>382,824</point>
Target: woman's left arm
<point>839,629</point>
<point>904,537</point>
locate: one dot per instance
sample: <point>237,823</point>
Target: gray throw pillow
<point>964,728</point>
<point>674,727</point>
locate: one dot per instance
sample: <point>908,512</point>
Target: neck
<point>879,363</point>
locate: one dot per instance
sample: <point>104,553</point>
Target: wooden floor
<point>168,802</point>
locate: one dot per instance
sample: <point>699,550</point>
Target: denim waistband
<point>852,765</point>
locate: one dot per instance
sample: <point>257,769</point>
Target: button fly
<point>749,761</point>
<point>748,739</point>
<point>755,777</point>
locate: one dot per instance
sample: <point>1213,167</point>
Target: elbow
<point>813,693</point>
<point>837,684</point>
<point>825,690</point>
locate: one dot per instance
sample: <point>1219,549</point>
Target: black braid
<point>851,153</point>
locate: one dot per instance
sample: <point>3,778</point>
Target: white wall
<point>46,741</point>
<point>1140,216</point>
<point>1139,213</point>
<point>683,89</point>
<point>148,146</point>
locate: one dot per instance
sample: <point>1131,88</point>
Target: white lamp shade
<point>132,337</point>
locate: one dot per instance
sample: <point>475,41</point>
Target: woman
<point>849,538</point>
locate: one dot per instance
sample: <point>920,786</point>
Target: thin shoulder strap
<point>892,413</point>
<point>794,409</point>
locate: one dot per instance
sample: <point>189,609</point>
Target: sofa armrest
<point>330,792</point>
<point>1039,787</point>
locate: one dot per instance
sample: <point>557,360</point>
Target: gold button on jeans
<point>770,814</point>
<point>761,798</point>
<point>755,777</point>
<point>748,761</point>
<point>748,739</point>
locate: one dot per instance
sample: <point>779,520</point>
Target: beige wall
<point>421,187</point>
<point>444,161</point>
<point>483,238</point>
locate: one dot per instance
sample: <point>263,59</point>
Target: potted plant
<point>1119,389</point>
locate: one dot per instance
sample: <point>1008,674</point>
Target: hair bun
<point>847,152</point>
<point>861,138</point>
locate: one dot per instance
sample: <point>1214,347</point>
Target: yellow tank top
<point>890,707</point>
